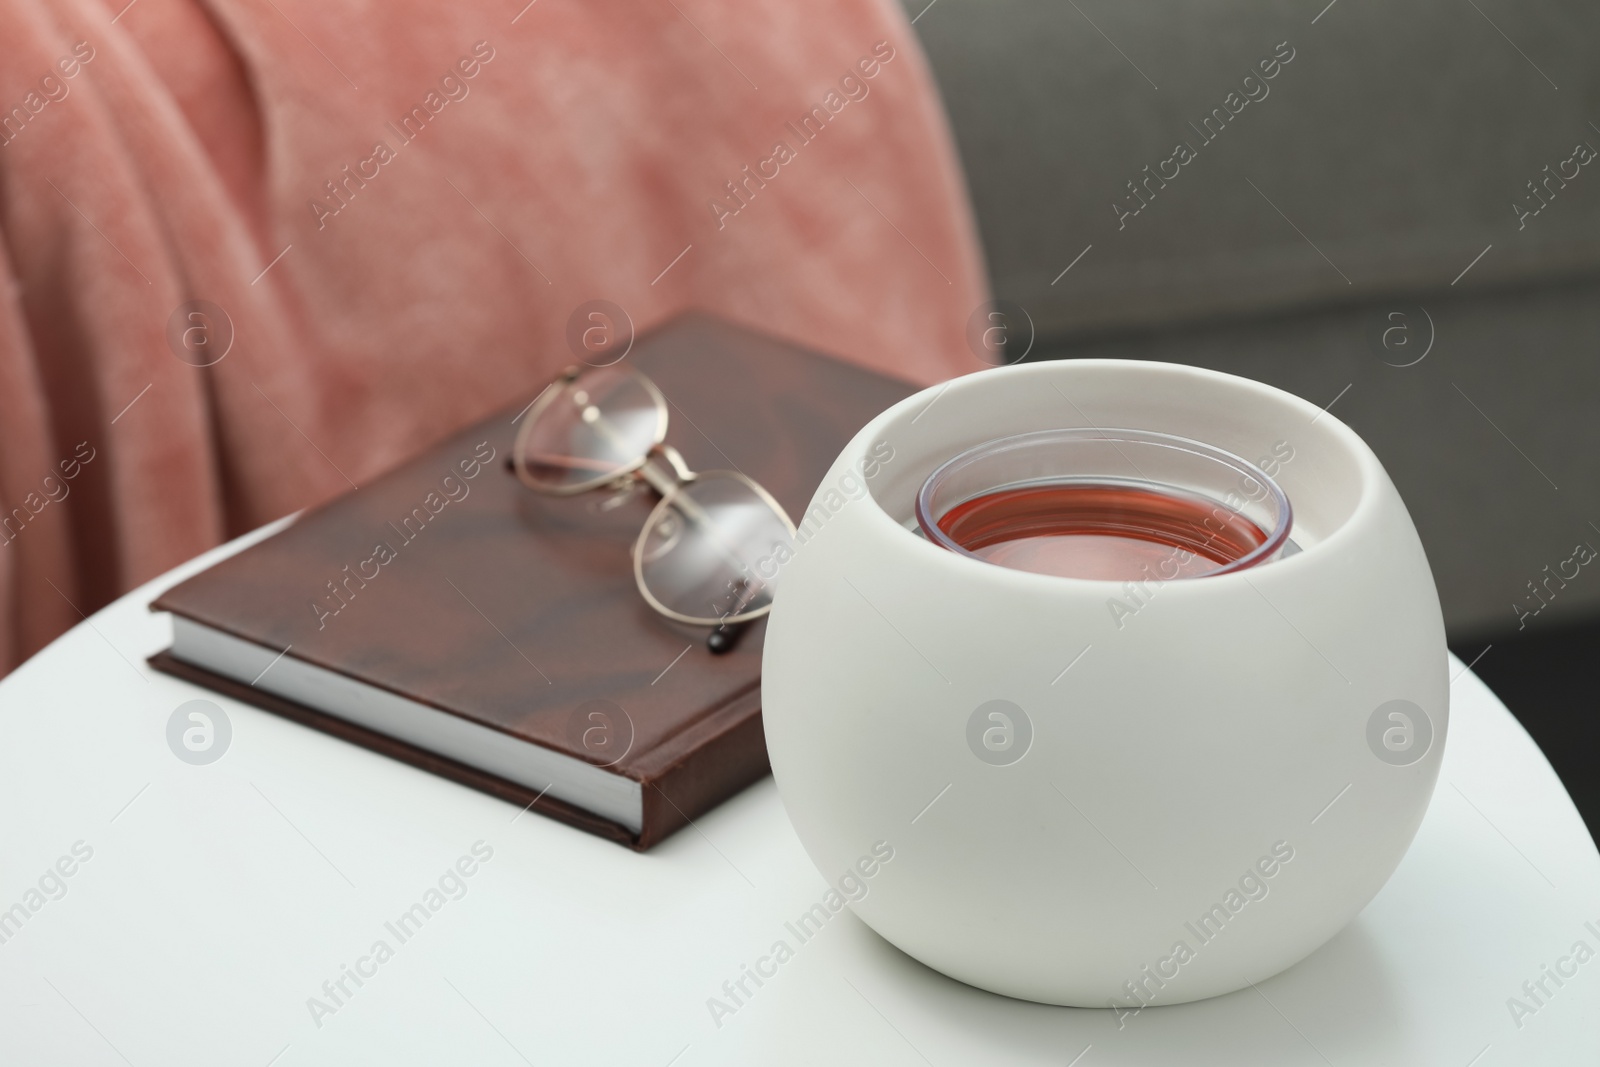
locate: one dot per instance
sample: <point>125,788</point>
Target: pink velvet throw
<point>257,251</point>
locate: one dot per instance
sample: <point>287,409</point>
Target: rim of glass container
<point>1277,537</point>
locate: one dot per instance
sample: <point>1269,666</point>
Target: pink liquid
<point>1103,531</point>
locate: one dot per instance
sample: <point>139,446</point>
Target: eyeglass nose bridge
<point>661,481</point>
<point>665,483</point>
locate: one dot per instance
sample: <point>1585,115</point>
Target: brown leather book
<point>446,616</point>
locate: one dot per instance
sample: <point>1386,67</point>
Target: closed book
<point>447,616</point>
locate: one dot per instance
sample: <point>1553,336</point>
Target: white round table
<point>232,913</point>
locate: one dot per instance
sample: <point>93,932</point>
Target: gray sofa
<point>1384,207</point>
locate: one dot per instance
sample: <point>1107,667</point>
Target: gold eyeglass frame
<point>669,485</point>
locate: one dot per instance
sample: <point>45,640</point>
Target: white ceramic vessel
<point>1099,805</point>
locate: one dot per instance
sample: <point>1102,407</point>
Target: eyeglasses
<point>711,547</point>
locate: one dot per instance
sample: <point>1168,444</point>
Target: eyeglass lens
<point>711,550</point>
<point>592,429</point>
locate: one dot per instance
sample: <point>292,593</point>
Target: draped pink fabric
<point>397,207</point>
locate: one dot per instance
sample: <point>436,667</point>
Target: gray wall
<point>1383,158</point>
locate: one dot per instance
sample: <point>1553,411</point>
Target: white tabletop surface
<point>218,899</point>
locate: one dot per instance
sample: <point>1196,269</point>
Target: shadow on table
<point>1336,1005</point>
